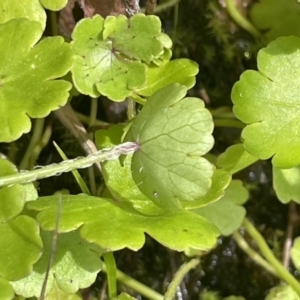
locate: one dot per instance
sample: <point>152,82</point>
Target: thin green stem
<point>77,176</point>
<point>252,253</point>
<point>270,257</point>
<point>36,136</point>
<point>138,99</point>
<point>178,277</point>
<point>111,271</point>
<point>86,120</point>
<point>40,146</point>
<point>69,165</point>
<point>53,20</point>
<point>240,19</point>
<point>136,285</point>
<point>131,112</point>
<point>93,118</point>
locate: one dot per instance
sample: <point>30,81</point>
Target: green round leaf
<point>286,184</point>
<point>113,52</point>
<point>276,18</point>
<point>268,101</point>
<point>30,9</point>
<point>173,133</point>
<point>182,71</point>
<point>21,247</point>
<point>28,72</point>
<point>13,198</point>
<point>75,266</point>
<point>227,214</point>
<point>54,4</point>
<point>138,37</point>
<point>285,292</point>
<point>235,159</point>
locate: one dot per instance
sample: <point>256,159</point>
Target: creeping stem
<point>69,165</point>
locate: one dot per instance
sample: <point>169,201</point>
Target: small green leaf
<point>295,253</point>
<point>29,9</point>
<point>234,298</point>
<point>75,266</point>
<point>173,133</point>
<point>182,71</point>
<point>286,184</point>
<point>227,214</point>
<point>235,159</point>
<point>285,292</point>
<point>13,198</point>
<point>21,247</point>
<point>119,180</point>
<point>28,72</point>
<point>113,228</point>
<point>268,100</point>
<point>54,4</point>
<point>113,52</point>
<point>137,37</point>
<point>276,19</point>
<point>7,291</point>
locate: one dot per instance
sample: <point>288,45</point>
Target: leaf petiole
<point>69,165</point>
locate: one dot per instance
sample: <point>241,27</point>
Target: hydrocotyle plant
<point>159,176</point>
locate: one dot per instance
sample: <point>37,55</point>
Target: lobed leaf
<point>74,266</point>
<point>29,9</point>
<point>7,291</point>
<point>276,19</point>
<point>55,5</point>
<point>268,101</point>
<point>173,133</point>
<point>281,292</point>
<point>112,53</point>
<point>21,247</point>
<point>235,158</point>
<point>114,228</point>
<point>182,71</point>
<point>286,184</point>
<point>28,76</point>
<point>13,198</point>
<point>227,214</point>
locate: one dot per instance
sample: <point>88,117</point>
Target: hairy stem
<point>111,271</point>
<point>178,277</point>
<point>69,165</point>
